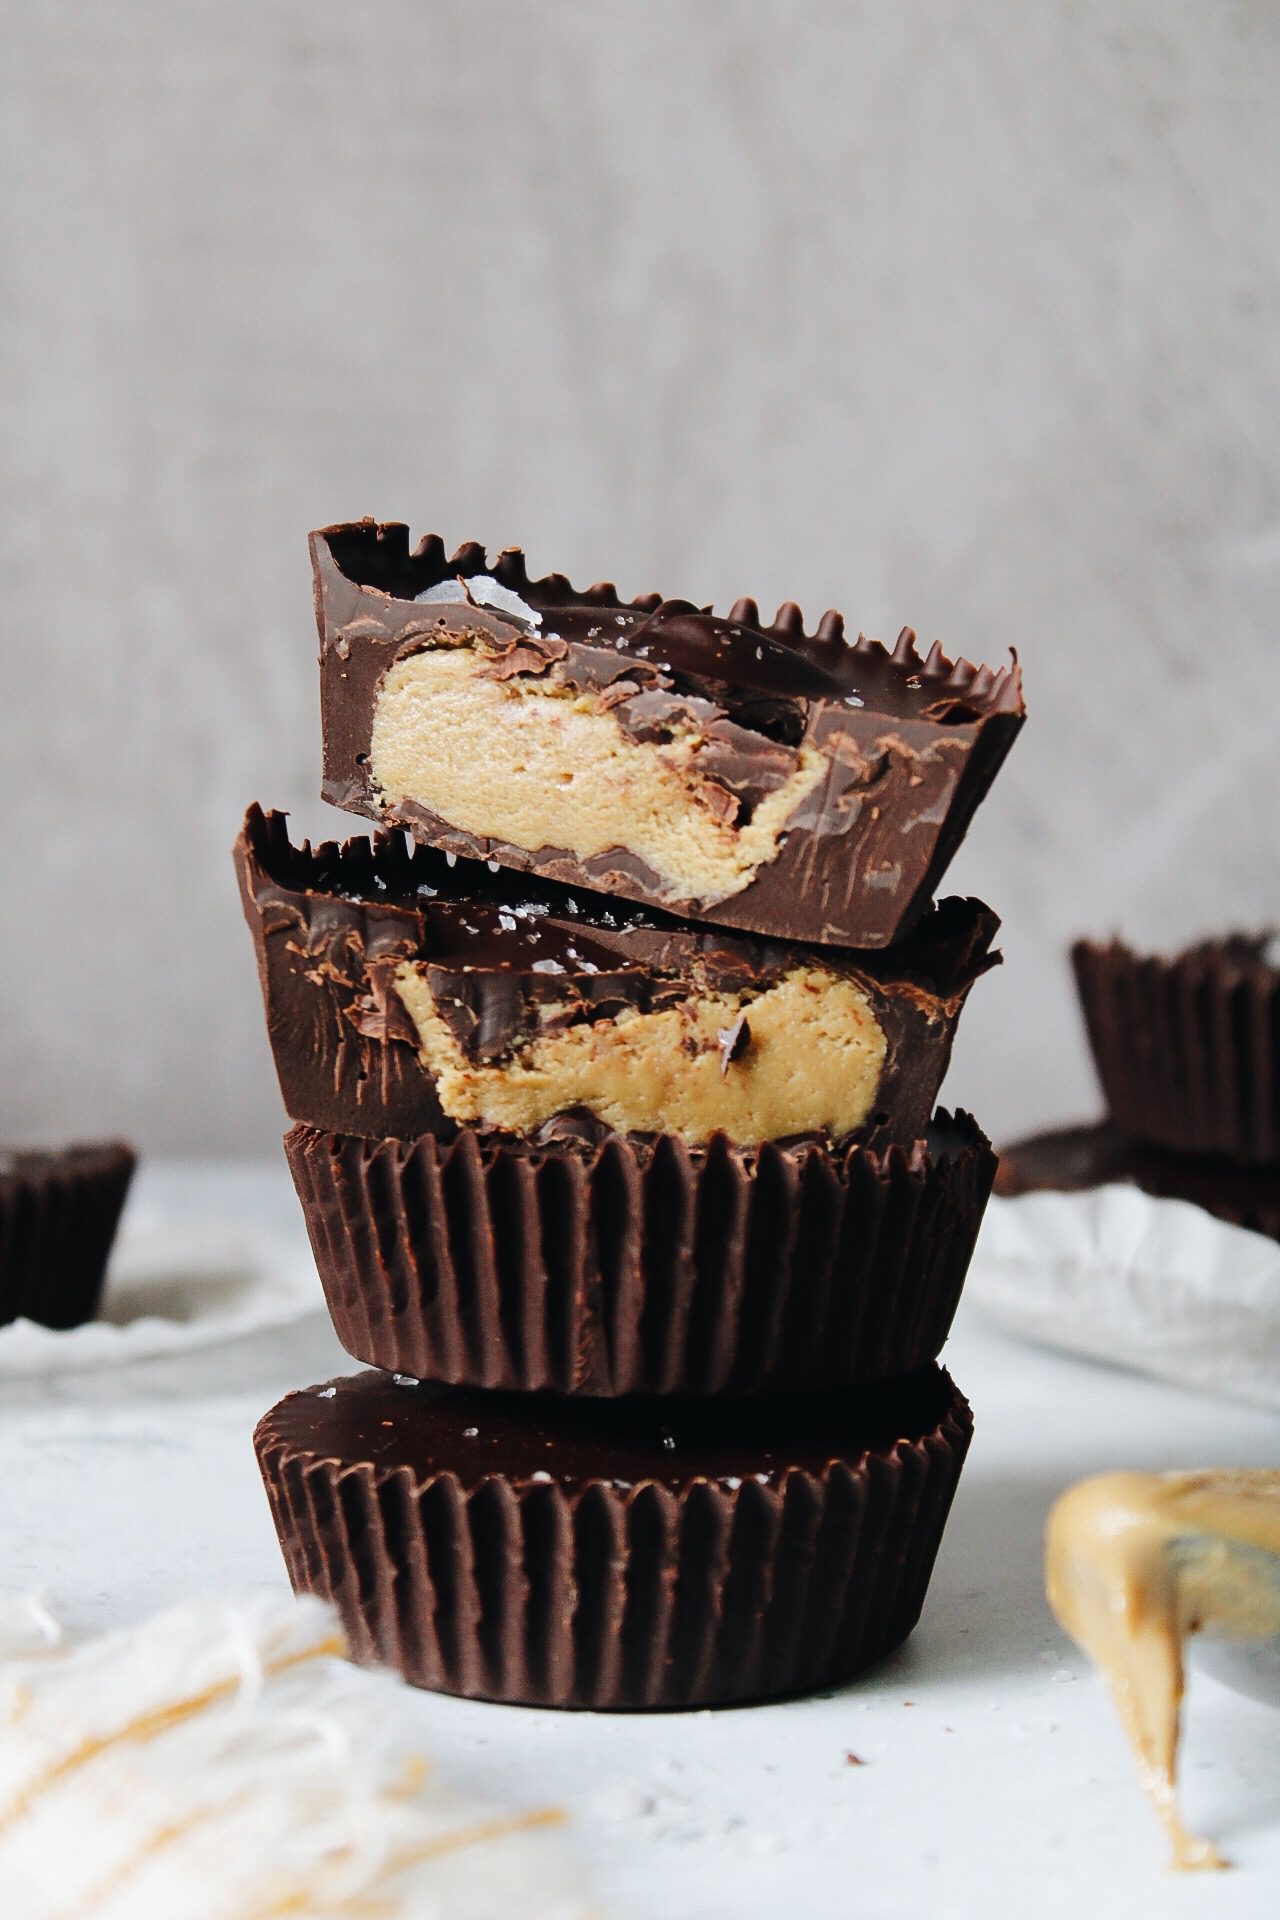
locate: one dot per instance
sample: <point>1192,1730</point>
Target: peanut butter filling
<point>538,765</point>
<point>1135,1563</point>
<point>812,1059</point>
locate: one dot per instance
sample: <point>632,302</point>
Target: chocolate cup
<point>912,741</point>
<point>615,1556</point>
<point>331,924</point>
<point>1075,1159</point>
<point>58,1217</point>
<point>642,1267</point>
<point>1188,1047</point>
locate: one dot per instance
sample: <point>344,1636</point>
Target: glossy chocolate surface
<point>390,1422</point>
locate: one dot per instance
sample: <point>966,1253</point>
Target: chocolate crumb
<point>854,1760</point>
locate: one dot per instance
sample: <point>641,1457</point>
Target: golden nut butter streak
<point>539,765</point>
<point>814,1062</point>
<point>1135,1564</point>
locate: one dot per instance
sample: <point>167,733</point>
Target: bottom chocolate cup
<point>58,1216</point>
<point>1074,1159</point>
<point>615,1555</point>
<point>643,1267</point>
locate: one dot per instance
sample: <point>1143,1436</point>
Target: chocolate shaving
<point>527,653</point>
<point>618,691</point>
<point>719,802</point>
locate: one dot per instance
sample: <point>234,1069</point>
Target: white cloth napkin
<point>174,1286</point>
<point>1158,1285</point>
<point>223,1762</point>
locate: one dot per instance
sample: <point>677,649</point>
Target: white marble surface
<point>995,1781</point>
<point>951,314</point>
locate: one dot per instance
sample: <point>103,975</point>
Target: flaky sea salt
<point>479,590</point>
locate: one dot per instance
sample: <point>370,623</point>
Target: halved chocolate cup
<point>58,1216</point>
<point>616,1555</point>
<point>643,1267</point>
<point>727,769</point>
<point>1187,1047</point>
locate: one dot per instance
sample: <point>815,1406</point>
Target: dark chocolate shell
<point>858,862</point>
<point>331,923</point>
<point>1187,1047</point>
<point>600,1583</point>
<point>58,1217</point>
<point>642,1267</point>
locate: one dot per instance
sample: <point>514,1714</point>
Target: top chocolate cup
<point>1187,1047</point>
<point>722,769</point>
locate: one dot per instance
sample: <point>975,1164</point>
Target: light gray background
<point>958,315</point>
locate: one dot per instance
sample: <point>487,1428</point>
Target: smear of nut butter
<point>1135,1564</point>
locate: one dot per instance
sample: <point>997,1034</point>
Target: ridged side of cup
<point>614,1597</point>
<point>642,1267</point>
<point>1187,1048</point>
<point>58,1217</point>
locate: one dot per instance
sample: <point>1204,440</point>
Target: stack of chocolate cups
<point>614,1092</point>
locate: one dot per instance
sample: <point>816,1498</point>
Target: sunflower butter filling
<point>529,759</point>
<point>803,1055</point>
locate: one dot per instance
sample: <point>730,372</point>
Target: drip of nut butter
<point>1135,1564</point>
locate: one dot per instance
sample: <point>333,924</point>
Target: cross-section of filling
<point>803,1055</point>
<point>538,763</point>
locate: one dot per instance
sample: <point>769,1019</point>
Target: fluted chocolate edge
<point>1187,1048</point>
<point>612,1598</point>
<point>382,548</point>
<point>639,1267</point>
<point>58,1218</point>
